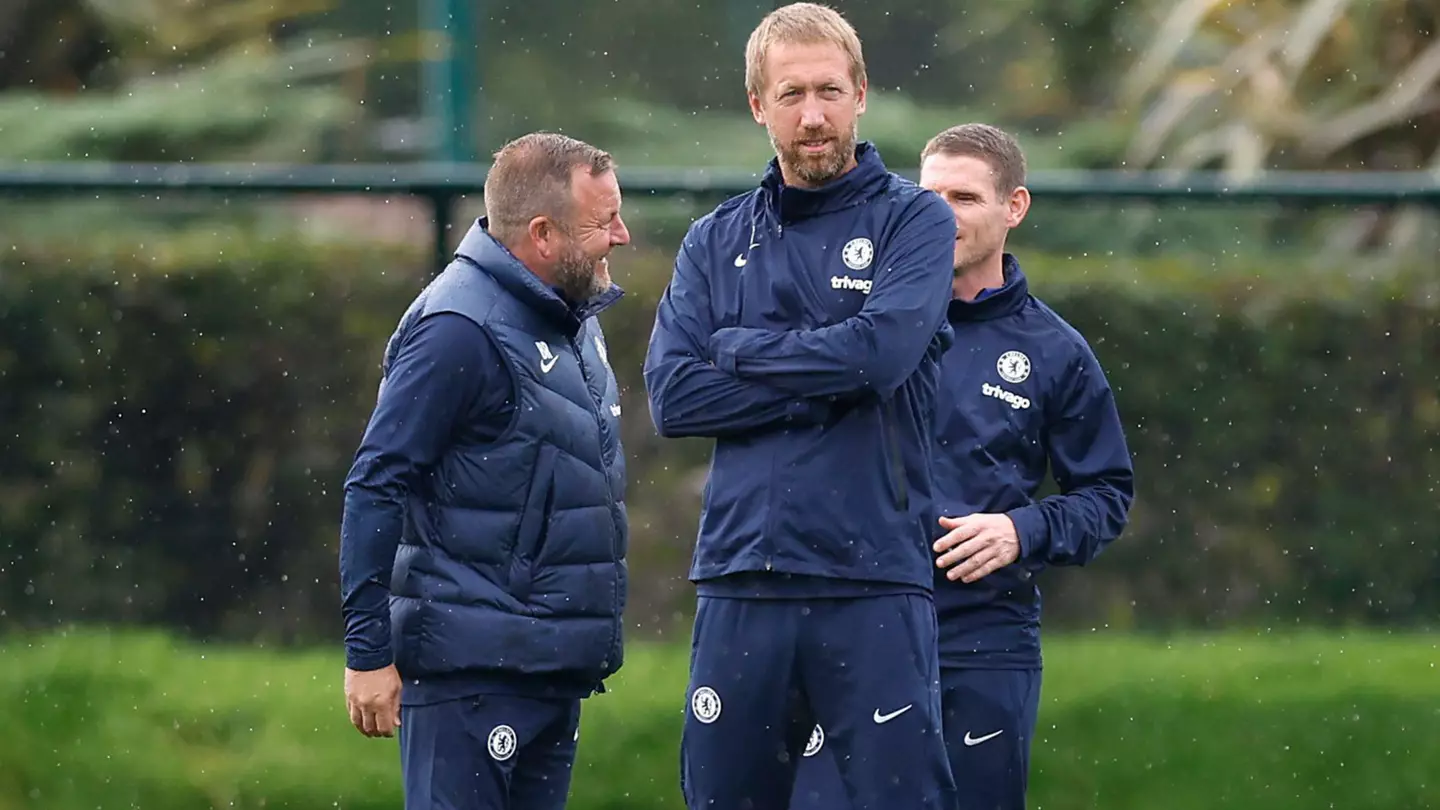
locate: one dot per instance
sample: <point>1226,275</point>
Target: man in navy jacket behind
<point>482,551</point>
<point>802,331</point>
<point>1021,390</point>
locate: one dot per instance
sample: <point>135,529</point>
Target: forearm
<point>842,360</point>
<point>1071,528</point>
<point>369,536</point>
<point>800,363</point>
<point>693,398</point>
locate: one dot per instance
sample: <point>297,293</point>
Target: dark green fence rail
<point>442,184</point>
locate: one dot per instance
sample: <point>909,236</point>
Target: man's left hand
<point>977,545</point>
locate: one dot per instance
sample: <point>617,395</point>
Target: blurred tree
<point>49,45</point>
<point>1054,59</point>
<point>189,80</point>
<point>160,34</point>
<point>1321,84</point>
<point>1046,69</point>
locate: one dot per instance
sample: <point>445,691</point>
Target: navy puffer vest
<point>513,558</point>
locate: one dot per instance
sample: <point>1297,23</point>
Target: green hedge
<point>1286,431</point>
<point>96,721</point>
<point>180,410</point>
<point>177,413</point>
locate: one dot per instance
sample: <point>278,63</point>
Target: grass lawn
<point>129,720</point>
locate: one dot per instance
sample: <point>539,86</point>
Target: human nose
<point>812,116</point>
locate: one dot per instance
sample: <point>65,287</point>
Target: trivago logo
<point>851,283</point>
<point>1015,400</point>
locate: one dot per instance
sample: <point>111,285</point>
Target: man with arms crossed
<point>1021,389</point>
<point>488,494</point>
<point>802,330</point>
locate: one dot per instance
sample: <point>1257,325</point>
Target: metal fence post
<point>449,77</point>
<point>443,204</point>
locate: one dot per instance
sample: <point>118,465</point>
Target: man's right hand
<point>373,698</point>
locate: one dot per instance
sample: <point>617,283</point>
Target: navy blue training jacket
<point>1022,389</point>
<point>484,534</point>
<point>803,331</point>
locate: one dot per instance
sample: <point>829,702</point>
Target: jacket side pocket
<point>534,523</point>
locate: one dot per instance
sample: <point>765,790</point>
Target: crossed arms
<point>704,381</point>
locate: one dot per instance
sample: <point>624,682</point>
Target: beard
<point>817,169</point>
<point>579,276</point>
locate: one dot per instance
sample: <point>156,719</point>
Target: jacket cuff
<point>1030,526</point>
<point>367,661</point>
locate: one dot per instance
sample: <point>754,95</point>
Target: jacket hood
<point>486,253</point>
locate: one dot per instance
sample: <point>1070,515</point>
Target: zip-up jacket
<point>1022,390</point>
<point>803,331</point>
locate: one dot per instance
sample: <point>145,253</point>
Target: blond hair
<point>801,24</point>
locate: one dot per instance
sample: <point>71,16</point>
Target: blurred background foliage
<point>1088,84</point>
<point>1091,84</point>
<point>171,80</point>
<point>227,429</point>
<point>184,377</point>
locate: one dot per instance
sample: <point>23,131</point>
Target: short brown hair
<point>531,178</point>
<point>801,24</point>
<point>993,145</point>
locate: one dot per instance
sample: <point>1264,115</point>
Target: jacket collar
<point>790,204</point>
<point>995,303</point>
<point>483,251</point>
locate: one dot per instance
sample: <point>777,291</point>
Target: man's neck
<point>987,274</point>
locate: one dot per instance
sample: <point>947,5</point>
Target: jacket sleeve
<point>689,396</point>
<point>1085,442</point>
<point>444,365</point>
<point>876,350</point>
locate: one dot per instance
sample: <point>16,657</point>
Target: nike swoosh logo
<point>741,259</point>
<point>546,365</point>
<point>977,740</point>
<point>885,718</point>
